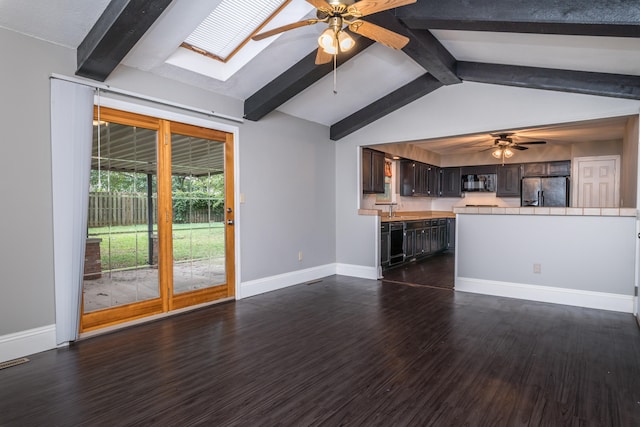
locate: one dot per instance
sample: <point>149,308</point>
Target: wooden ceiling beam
<point>574,17</point>
<point>408,93</point>
<point>294,80</point>
<point>600,84</point>
<point>114,34</point>
<point>423,48</point>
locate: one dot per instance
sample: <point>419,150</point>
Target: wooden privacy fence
<point>131,209</point>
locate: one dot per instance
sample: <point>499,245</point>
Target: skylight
<point>230,25</point>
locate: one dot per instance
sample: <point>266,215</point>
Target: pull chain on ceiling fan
<point>339,15</point>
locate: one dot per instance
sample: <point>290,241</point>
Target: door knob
<point>229,222</point>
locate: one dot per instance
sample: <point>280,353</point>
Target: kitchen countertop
<point>407,216</point>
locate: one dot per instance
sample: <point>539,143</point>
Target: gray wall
<point>584,253</point>
<point>26,246</point>
<point>287,179</point>
<point>286,171</point>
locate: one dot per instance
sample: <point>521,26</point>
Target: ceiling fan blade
<point>367,7</point>
<point>323,57</point>
<point>319,4</point>
<point>379,34</point>
<point>517,147</point>
<point>532,142</point>
<point>284,28</point>
<point>488,148</point>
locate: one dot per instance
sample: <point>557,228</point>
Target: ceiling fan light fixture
<point>345,41</point>
<point>507,152</point>
<point>497,153</point>
<point>328,41</point>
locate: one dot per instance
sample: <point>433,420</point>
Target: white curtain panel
<point>71,139</point>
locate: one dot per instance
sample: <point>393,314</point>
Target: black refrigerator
<point>545,191</point>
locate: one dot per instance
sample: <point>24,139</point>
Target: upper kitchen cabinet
<point>561,168</point>
<point>508,178</point>
<point>478,170</point>
<point>432,185</point>
<point>410,177</point>
<point>372,171</point>
<point>450,184</point>
<point>419,179</point>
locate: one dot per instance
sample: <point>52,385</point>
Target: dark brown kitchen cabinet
<point>451,233</point>
<point>450,184</point>
<point>372,171</point>
<point>432,186</point>
<point>413,178</point>
<point>419,179</point>
<point>478,170</point>
<point>409,243</point>
<point>434,237</point>
<point>508,181</point>
<point>407,178</point>
<point>442,234</point>
<point>423,245</point>
<point>418,239</point>
<point>560,168</point>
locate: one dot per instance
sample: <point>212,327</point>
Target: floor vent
<point>14,362</point>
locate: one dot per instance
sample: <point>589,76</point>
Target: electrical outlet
<point>537,268</point>
<point>300,256</point>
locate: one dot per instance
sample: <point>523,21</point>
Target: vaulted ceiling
<point>578,46</point>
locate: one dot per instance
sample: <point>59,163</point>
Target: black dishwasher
<point>396,236</point>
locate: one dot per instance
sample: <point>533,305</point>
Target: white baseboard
<point>360,271</point>
<point>24,343</point>
<point>272,283</point>
<point>578,298</point>
<point>267,284</point>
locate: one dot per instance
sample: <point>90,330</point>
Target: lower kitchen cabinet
<point>451,233</point>
<point>409,243</point>
<point>442,235</point>
<point>419,239</point>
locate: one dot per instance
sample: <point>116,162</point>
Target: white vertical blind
<point>71,139</point>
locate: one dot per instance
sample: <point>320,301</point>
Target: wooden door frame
<point>159,120</point>
<point>228,290</point>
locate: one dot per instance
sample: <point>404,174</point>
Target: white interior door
<point>596,182</point>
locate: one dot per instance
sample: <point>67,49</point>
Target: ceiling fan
<point>338,13</point>
<point>503,145</point>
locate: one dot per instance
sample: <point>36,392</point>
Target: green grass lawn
<point>127,246</point>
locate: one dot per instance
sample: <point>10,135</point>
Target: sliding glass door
<point>160,228</point>
<point>200,212</point>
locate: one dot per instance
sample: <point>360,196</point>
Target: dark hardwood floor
<point>436,270</point>
<point>343,351</point>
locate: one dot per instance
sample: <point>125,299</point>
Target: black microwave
<point>479,182</point>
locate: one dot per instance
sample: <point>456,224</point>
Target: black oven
<point>396,236</point>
